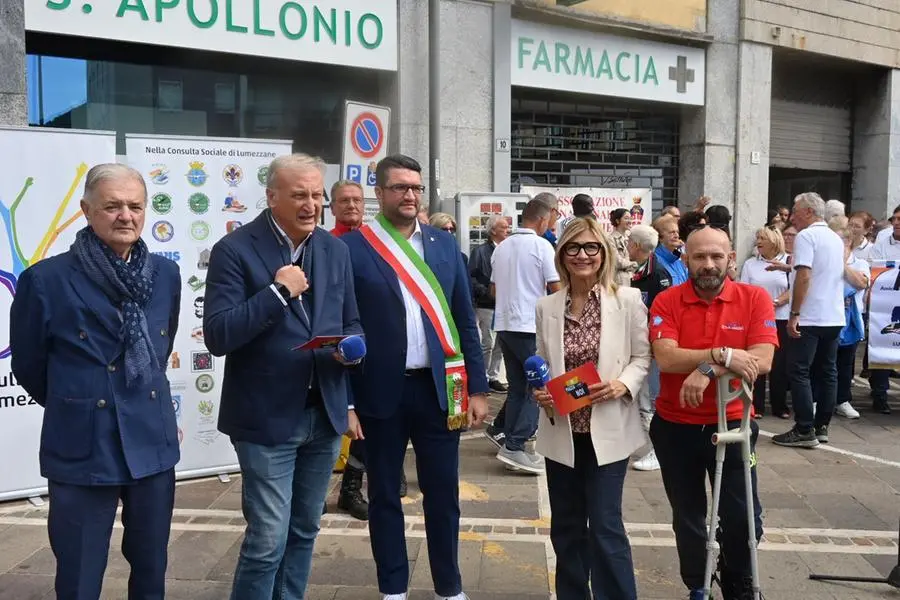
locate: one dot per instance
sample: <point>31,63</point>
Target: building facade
<point>747,101</point>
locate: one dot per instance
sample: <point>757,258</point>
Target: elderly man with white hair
<point>816,320</point>
<point>480,271</point>
<point>651,278</point>
<point>91,331</point>
<point>834,208</point>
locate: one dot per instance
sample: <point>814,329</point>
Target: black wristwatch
<point>795,314</point>
<point>706,369</point>
<point>283,290</point>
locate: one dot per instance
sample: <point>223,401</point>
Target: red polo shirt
<point>740,316</point>
<point>340,229</point>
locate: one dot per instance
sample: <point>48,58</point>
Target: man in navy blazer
<point>275,284</point>
<point>400,391</point>
<point>91,331</point>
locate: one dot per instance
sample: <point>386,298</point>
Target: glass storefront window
<point>226,97</point>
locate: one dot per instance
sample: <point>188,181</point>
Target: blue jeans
<point>812,364</point>
<point>649,390</point>
<point>284,489</point>
<point>521,419</point>
<point>586,528</point>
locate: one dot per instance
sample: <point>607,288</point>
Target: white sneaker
<point>395,596</point>
<point>459,596</point>
<point>647,463</point>
<point>846,410</point>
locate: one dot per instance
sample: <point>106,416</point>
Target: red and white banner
<point>637,201</point>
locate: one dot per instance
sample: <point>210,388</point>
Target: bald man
<point>695,328</point>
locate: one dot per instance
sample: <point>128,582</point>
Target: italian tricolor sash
<point>419,279</point>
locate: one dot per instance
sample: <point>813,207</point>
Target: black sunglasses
<point>590,248</point>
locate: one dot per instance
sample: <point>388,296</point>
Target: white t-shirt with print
<point>821,250</point>
<point>886,248</point>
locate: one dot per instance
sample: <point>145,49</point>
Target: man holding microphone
<point>274,284</point>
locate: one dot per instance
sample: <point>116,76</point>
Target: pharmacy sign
<point>572,60</point>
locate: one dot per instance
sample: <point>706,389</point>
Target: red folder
<point>321,341</point>
<point>570,390</point>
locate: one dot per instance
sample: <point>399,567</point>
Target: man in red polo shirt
<point>707,327</point>
<point>347,206</point>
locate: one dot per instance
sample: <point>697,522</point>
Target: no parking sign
<point>365,142</point>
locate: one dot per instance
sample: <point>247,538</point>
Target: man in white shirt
<point>816,320</point>
<point>886,248</point>
<point>522,271</point>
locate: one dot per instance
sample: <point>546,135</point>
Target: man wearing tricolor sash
<point>423,378</point>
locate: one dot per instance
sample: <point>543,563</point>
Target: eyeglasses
<point>402,188</point>
<point>574,248</point>
<point>449,229</point>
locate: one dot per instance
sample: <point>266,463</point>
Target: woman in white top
<point>860,227</point>
<point>763,270</point>
<point>621,221</point>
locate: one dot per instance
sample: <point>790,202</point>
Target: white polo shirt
<point>521,267</point>
<point>775,282</point>
<point>822,250</point>
<point>864,250</point>
<point>858,264</point>
<point>886,247</point>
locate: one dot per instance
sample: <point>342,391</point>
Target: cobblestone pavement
<point>831,510</point>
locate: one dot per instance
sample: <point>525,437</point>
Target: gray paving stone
<point>19,543</point>
<point>16,586</point>
<point>470,561</point>
<point>513,567</point>
<point>845,512</point>
<point>195,553</point>
<point>201,494</point>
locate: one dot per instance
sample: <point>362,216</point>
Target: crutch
<point>720,440</point>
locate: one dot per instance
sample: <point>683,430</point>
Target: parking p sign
<point>365,142</point>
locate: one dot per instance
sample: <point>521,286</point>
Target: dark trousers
<point>586,529</point>
<point>358,454</point>
<point>418,418</point>
<point>521,418</point>
<point>846,363</point>
<point>777,378</point>
<point>687,458</point>
<point>80,523</point>
<point>880,382</point>
<point>812,363</point>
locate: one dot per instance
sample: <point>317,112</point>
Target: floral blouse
<point>581,341</point>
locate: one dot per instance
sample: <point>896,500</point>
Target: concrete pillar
<point>466,92</point>
<point>13,99</point>
<point>502,96</point>
<point>876,145</point>
<point>707,135</point>
<point>752,149</point>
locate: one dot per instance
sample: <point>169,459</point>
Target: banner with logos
<point>884,318</point>
<point>636,200</point>
<point>200,189</point>
<point>40,194</point>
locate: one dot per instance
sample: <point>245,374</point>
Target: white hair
<point>644,237</point>
<point>301,162</point>
<point>834,208</point>
<point>492,222</point>
<point>547,199</point>
<point>110,171</point>
<point>813,201</point>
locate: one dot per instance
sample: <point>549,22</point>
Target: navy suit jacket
<point>67,353</point>
<point>266,381</point>
<point>378,383</point>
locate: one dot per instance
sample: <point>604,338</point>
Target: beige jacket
<point>624,354</point>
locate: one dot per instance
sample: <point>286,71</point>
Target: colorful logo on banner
<point>884,318</point>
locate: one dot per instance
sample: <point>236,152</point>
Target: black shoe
<point>795,439</point>
<point>822,433</point>
<point>495,435</point>
<point>739,588</point>
<point>497,386</point>
<point>403,485</point>
<point>351,498</point>
<point>880,405</point>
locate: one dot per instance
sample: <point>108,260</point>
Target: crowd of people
<point>660,311</point>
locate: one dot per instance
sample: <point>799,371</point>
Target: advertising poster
<point>884,319</point>
<point>41,187</point>
<point>365,142</point>
<point>638,201</point>
<point>474,210</point>
<point>200,190</point>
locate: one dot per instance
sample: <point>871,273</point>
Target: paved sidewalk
<point>830,510</point>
